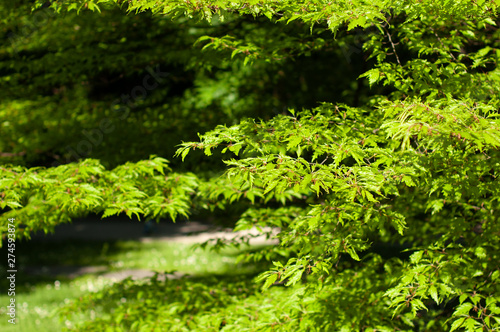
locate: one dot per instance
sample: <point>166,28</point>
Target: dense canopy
<point>365,133</point>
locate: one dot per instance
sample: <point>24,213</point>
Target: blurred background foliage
<point>62,74</point>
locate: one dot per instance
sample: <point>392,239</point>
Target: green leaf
<point>373,76</point>
<point>270,280</point>
<point>463,309</point>
<point>457,324</point>
<point>353,253</point>
<point>434,294</point>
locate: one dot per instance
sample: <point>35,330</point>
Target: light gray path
<point>112,229</point>
<point>122,229</point>
<point>125,229</point>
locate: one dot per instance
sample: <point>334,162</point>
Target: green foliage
<point>402,152</point>
<point>40,297</point>
<point>73,190</point>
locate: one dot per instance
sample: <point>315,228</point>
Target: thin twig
<point>393,46</point>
